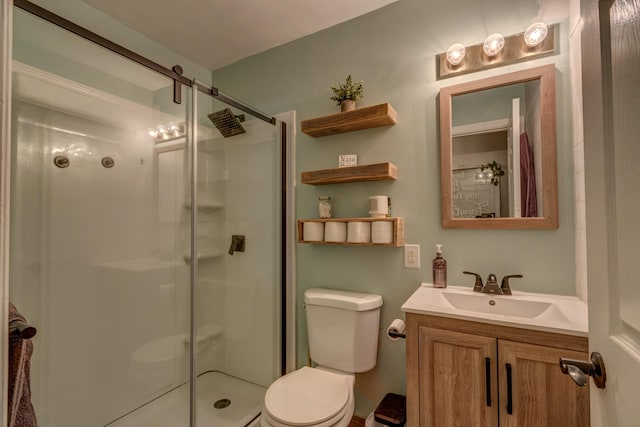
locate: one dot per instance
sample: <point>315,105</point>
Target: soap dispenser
<point>439,269</point>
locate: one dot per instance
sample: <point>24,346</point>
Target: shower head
<point>227,123</point>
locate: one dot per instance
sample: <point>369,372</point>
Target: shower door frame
<point>6,11</point>
<point>287,186</point>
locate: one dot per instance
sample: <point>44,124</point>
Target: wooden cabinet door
<point>457,379</point>
<point>539,394</point>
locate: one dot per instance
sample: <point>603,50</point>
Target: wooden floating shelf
<point>398,231</point>
<point>375,172</point>
<point>361,118</point>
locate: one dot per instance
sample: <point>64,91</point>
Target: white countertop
<point>542,312</point>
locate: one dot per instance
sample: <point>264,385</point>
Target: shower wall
<point>239,294</point>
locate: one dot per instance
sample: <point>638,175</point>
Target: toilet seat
<point>308,397</point>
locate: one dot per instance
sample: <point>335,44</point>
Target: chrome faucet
<point>491,287</point>
<point>504,286</point>
<point>477,287</point>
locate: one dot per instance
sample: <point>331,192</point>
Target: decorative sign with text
<point>474,196</point>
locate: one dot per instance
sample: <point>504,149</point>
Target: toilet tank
<point>343,328</point>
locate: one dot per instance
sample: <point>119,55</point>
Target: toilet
<point>343,339</point>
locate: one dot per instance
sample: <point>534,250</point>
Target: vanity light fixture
<point>455,54</point>
<point>493,44</point>
<point>537,41</point>
<point>535,34</point>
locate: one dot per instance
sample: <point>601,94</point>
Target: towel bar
<point>22,330</point>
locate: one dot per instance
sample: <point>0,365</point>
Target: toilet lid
<point>307,396</point>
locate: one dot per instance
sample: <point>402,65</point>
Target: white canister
<point>378,206</point>
<point>312,231</point>
<point>382,232</point>
<point>335,231</point>
<point>359,232</point>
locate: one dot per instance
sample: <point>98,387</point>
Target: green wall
<point>393,50</point>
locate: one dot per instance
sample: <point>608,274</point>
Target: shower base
<point>171,409</point>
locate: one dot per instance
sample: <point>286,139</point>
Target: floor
<point>357,422</point>
<point>171,409</point>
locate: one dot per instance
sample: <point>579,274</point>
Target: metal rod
<point>76,29</point>
<point>51,17</point>
<point>393,334</point>
<point>193,267</point>
<point>283,248</point>
<point>242,106</point>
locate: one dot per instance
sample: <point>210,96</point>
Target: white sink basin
<point>486,303</point>
<point>522,309</point>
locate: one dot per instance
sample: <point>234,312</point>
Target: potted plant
<point>496,171</point>
<point>347,94</point>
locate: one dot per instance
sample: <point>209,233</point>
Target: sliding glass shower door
<point>100,228</point>
<point>145,247</point>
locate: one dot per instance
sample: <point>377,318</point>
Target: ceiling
<point>215,33</point>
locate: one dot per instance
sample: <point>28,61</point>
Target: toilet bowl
<point>343,337</point>
<point>316,397</point>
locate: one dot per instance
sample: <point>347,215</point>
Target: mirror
<point>498,152</point>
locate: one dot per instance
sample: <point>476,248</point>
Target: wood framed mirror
<point>498,160</point>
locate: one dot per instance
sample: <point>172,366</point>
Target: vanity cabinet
<point>464,373</point>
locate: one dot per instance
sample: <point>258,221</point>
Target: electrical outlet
<point>412,256</point>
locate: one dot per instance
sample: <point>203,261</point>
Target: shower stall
<point>150,249</point>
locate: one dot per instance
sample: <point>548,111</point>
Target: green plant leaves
<point>349,90</point>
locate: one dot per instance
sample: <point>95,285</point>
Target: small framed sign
<point>346,160</point>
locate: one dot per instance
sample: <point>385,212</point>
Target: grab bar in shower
<point>21,329</point>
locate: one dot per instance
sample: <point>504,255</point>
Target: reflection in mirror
<point>498,152</point>
<point>170,164</point>
<point>496,134</point>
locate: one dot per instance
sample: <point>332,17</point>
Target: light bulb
<point>153,133</point>
<point>535,34</point>
<point>455,54</point>
<point>493,44</point>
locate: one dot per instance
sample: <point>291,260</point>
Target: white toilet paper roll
<point>335,231</point>
<point>382,232</point>
<point>359,232</point>
<point>378,206</point>
<point>397,327</point>
<point>313,231</point>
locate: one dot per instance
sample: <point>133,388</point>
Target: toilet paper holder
<point>396,330</point>
<point>394,334</point>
